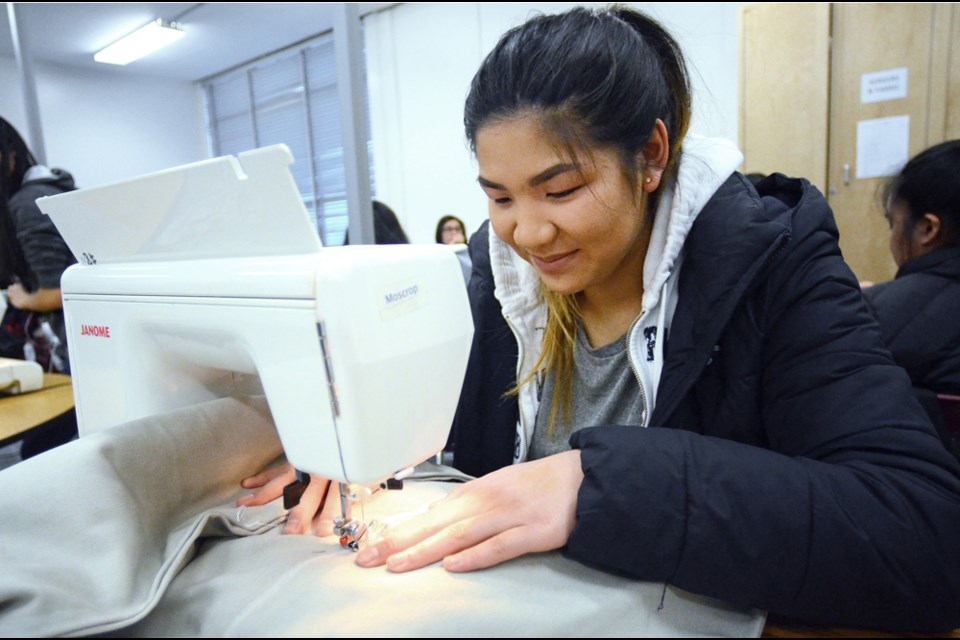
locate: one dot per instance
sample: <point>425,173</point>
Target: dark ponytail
<point>674,69</point>
<point>595,78</point>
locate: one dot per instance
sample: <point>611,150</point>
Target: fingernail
<point>368,557</point>
<point>292,526</point>
<point>323,528</point>
<point>397,561</point>
<point>453,563</point>
<point>242,500</point>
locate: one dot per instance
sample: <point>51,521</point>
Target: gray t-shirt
<point>603,391</point>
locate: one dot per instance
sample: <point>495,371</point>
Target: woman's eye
<point>502,200</point>
<point>557,195</point>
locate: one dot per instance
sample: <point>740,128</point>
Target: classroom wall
<point>102,128</point>
<point>421,58</point>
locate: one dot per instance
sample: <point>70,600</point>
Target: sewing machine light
<point>395,482</point>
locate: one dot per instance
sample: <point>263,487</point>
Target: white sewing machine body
<point>360,350</point>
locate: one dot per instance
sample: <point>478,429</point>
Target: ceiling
<point>219,35</point>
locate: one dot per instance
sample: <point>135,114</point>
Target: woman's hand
<point>524,508</point>
<point>41,300</point>
<point>312,515</point>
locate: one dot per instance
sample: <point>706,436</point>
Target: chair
<point>950,410</point>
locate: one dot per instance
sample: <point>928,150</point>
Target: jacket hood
<point>40,174</point>
<point>705,164</point>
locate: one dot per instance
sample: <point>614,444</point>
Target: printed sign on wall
<point>883,85</point>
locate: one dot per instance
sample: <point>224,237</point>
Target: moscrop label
<point>402,297</point>
<point>403,294</point>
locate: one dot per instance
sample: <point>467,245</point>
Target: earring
<point>647,180</point>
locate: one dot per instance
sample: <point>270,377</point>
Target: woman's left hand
<point>523,508</point>
<point>313,514</point>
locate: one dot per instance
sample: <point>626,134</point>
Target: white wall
<point>102,128</point>
<point>421,58</point>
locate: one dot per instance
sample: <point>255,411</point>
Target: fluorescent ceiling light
<point>141,42</point>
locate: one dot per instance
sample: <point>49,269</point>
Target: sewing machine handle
<point>294,491</point>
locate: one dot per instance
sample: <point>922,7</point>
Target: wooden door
<point>949,51</point>
<point>879,38</point>
<point>784,82</point>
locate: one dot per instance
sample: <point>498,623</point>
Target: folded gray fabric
<point>93,531</point>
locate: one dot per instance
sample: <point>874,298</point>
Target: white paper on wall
<point>882,146</point>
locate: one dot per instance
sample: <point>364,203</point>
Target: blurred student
<point>451,230</point>
<point>33,257</point>
<point>919,310</point>
<point>386,226</point>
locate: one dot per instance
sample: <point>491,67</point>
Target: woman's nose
<point>533,228</point>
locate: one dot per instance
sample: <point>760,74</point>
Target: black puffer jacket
<point>38,254</point>
<point>47,255</point>
<point>919,316</point>
<point>793,470</point>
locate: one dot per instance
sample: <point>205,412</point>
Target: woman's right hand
<point>314,514</point>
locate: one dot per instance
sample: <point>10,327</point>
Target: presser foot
<point>351,532</point>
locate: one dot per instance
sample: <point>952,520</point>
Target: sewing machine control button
<point>391,484</point>
<point>294,491</point>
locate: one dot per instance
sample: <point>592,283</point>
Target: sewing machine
<point>19,376</point>
<point>208,280</point>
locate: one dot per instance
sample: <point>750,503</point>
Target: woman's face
<point>582,229</point>
<point>452,233</point>
<point>903,245</point>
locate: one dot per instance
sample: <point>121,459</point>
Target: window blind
<point>289,97</point>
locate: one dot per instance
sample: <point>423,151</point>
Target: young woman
<point>673,377</point>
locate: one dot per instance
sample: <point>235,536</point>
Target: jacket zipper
<point>516,336</point>
<point>633,367</point>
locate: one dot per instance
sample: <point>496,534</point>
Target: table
<point>776,628</point>
<point>23,412</point>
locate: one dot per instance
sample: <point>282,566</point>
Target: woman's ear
<point>655,153</point>
<point>927,231</point>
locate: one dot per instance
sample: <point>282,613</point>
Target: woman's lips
<point>553,264</point>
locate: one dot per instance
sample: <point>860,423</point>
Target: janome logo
<point>94,331</point>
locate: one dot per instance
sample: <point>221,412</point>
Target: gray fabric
<point>133,532</point>
<point>302,586</point>
<point>94,531</point>
<point>603,390</point>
